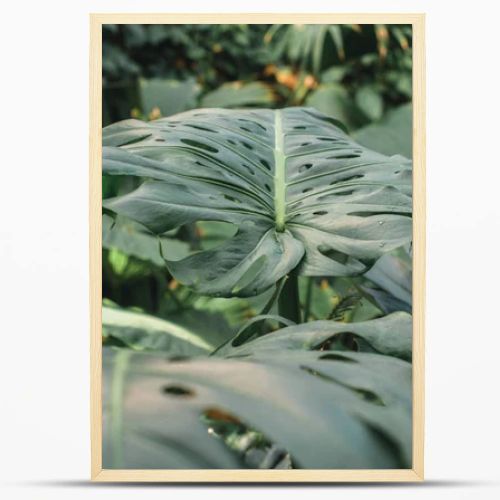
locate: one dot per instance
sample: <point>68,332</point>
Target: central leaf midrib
<point>279,174</point>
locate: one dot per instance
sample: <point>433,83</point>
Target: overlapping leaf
<point>144,332</point>
<point>392,277</point>
<point>391,335</point>
<point>301,192</point>
<point>327,409</point>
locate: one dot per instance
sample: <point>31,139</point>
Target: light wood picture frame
<point>416,473</point>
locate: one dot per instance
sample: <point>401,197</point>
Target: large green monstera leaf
<point>329,407</point>
<point>301,193</point>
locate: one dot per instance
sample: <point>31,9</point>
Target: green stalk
<point>288,302</point>
<point>279,174</point>
<point>117,393</point>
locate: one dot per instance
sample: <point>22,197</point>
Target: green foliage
<point>167,97</point>
<point>299,190</point>
<point>217,53</point>
<point>146,67</point>
<point>237,95</point>
<point>392,135</point>
<point>327,409</point>
<point>140,332</point>
<point>257,262</point>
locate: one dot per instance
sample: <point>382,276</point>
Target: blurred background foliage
<point>357,73</point>
<point>360,74</point>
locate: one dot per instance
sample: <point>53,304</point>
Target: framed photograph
<point>257,247</point>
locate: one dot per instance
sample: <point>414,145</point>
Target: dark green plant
<point>328,408</point>
<point>264,219</point>
<point>305,198</point>
<point>352,72</point>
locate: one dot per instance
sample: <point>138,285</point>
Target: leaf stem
<point>279,174</point>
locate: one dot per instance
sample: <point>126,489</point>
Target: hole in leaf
<point>246,129</point>
<point>248,146</point>
<point>231,142</point>
<point>201,164</point>
<point>337,357</point>
<point>365,394</point>
<point>305,167</point>
<point>335,255</point>
<point>307,190</point>
<point>268,187</point>
<point>320,212</point>
<point>221,416</point>
<point>231,198</point>
<point>305,144</point>
<point>343,157</point>
<point>251,171</point>
<point>371,214</point>
<point>177,359</point>
<point>253,123</point>
<point>177,390</point>
<point>265,164</point>
<point>199,145</point>
<point>299,127</point>
<point>350,178</point>
<point>340,341</point>
<point>332,196</point>
<point>159,140</point>
<point>199,127</point>
<point>368,396</point>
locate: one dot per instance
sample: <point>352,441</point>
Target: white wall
<point>44,429</point>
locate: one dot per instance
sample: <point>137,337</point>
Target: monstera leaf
<point>302,194</point>
<point>327,409</point>
<point>391,335</point>
<point>132,239</point>
<point>392,277</point>
<point>144,332</point>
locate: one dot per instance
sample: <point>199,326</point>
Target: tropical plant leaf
<point>168,96</point>
<point>238,94</point>
<point>140,331</point>
<point>133,239</point>
<point>329,410</point>
<point>390,335</point>
<point>392,135</point>
<point>297,187</point>
<point>334,100</point>
<point>370,102</point>
<point>392,275</point>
